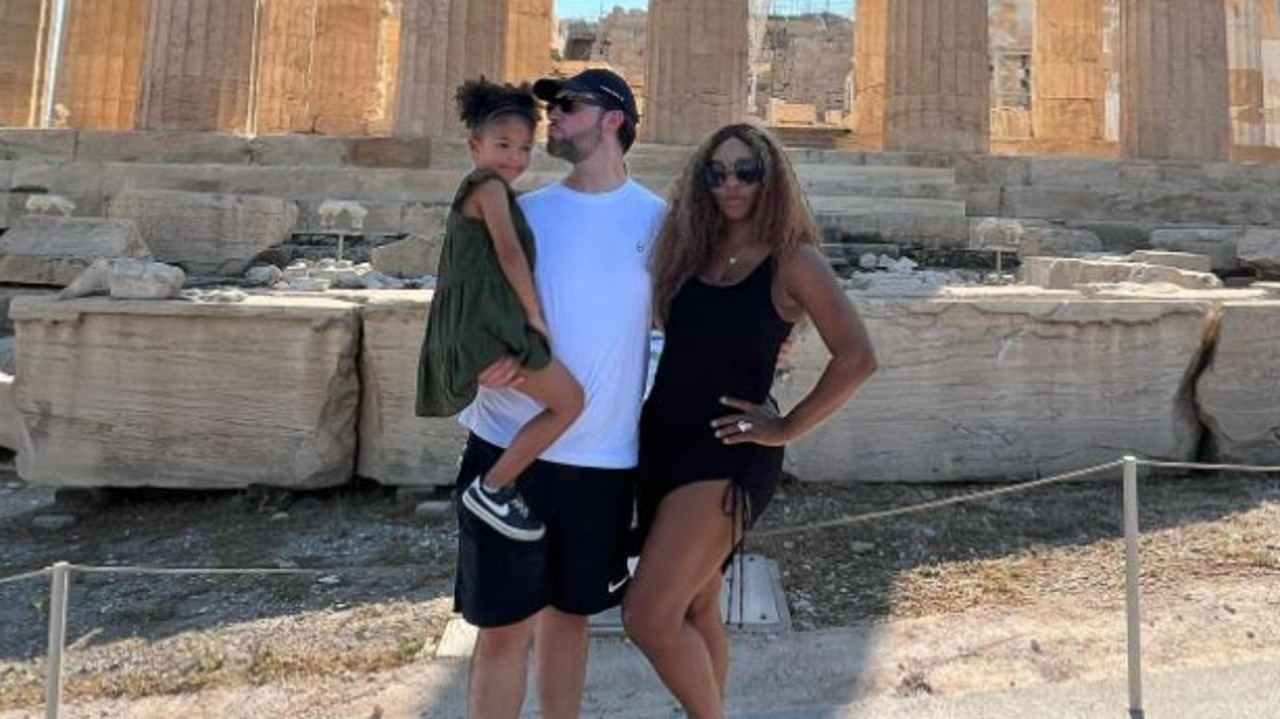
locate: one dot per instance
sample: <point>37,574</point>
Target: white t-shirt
<point>592,273</point>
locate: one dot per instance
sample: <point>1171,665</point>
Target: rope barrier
<point>1216,467</point>
<point>27,575</point>
<point>248,571</point>
<point>777,532</point>
<point>926,506</point>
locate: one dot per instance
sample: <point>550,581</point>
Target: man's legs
<point>560,651</point>
<point>579,567</point>
<point>499,667</point>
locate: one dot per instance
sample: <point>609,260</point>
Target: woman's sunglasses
<point>568,102</point>
<point>748,170</point>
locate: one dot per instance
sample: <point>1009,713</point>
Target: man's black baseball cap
<point>604,84</point>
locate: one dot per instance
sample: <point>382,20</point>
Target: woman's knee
<point>645,625</point>
<point>705,606</point>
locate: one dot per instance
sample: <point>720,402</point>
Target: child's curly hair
<point>480,101</point>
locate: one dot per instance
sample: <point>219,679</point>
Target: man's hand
<point>503,373</point>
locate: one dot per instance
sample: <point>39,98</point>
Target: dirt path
<point>1209,624</point>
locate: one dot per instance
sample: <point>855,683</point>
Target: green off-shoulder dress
<point>475,317</point>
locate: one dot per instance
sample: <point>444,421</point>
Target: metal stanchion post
<point>1132,567</point>
<point>57,638</point>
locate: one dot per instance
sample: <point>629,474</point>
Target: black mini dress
<point>720,341</point>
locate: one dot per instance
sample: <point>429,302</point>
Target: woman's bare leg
<point>555,388</point>
<point>689,540</point>
<point>704,616</point>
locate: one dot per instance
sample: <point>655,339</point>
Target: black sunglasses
<point>568,102</point>
<point>748,170</point>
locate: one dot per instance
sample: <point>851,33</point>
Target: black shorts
<point>579,567</point>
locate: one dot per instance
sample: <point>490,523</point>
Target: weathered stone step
<point>853,205</point>
<point>1157,204</point>
<point>869,174</point>
<point>1117,174</point>
<point>908,230</point>
<point>339,151</point>
<point>393,195</point>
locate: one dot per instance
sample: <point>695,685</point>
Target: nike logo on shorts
<point>615,586</point>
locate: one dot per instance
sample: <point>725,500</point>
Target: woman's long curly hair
<point>480,101</point>
<point>694,225</point>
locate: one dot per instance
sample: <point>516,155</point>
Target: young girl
<point>485,306</point>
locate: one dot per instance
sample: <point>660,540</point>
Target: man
<point>594,230</point>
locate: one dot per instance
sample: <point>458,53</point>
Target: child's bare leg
<point>555,388</point>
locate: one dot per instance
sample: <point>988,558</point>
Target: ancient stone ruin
<point>218,277</point>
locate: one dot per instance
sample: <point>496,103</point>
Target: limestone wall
<point>1238,394</point>
<point>186,394</point>
<point>396,446</point>
<point>974,384</point>
<point>811,58</point>
<point>620,41</point>
<point>980,388</point>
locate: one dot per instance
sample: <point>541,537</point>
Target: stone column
<point>529,31</point>
<point>388,67</point>
<point>443,43</point>
<point>656,50</point>
<point>1271,71</point>
<point>423,92</point>
<point>697,76</point>
<point>1244,62</point>
<point>286,46</point>
<point>1069,79</point>
<point>938,83</point>
<point>1175,95</point>
<point>198,65</point>
<point>100,80</point>
<point>871,35</point>
<point>344,94</point>
<point>485,39</point>
<point>23,29</point>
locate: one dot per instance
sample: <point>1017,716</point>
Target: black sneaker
<point>504,510</point>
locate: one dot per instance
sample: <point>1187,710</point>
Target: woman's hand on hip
<point>758,423</point>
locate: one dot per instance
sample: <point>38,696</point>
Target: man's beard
<point>576,148</point>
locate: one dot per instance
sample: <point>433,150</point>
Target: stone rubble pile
<point>881,275</point>
<point>329,273</point>
<point>126,279</point>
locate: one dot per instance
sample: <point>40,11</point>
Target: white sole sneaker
<point>481,512</point>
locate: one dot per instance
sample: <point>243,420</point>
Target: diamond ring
<point>744,426</point>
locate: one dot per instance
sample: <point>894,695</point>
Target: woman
<point>737,264</point>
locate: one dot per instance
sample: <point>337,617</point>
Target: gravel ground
<point>375,593</point>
